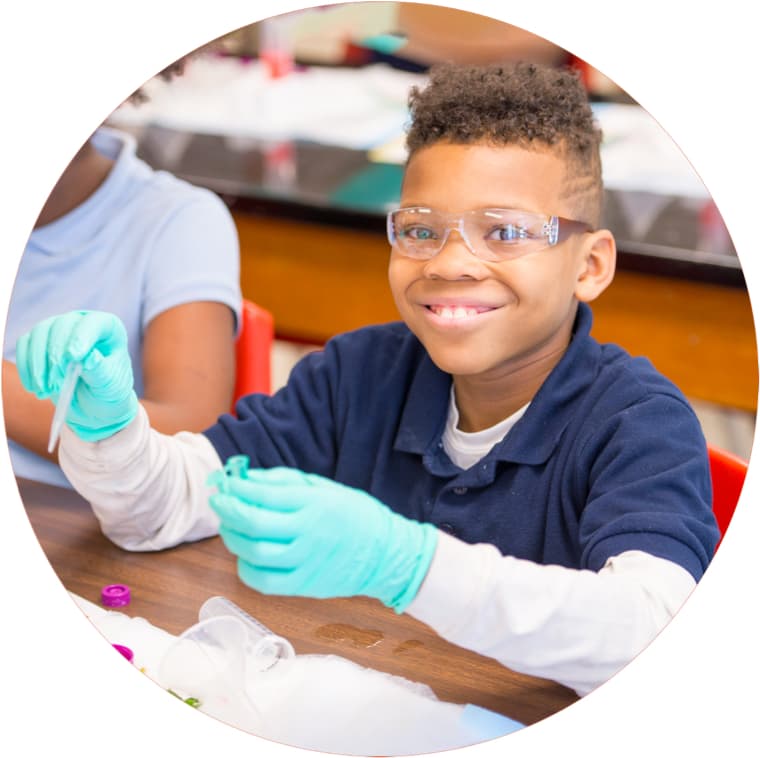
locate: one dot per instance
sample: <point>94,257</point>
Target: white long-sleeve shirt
<point>577,627</point>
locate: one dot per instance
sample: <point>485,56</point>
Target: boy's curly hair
<point>522,104</point>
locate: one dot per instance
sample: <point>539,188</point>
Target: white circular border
<point>66,65</point>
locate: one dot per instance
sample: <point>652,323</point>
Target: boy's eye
<point>507,233</point>
<point>418,233</point>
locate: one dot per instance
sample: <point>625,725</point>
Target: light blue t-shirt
<point>144,242</point>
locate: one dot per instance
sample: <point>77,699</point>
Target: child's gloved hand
<point>104,400</point>
<point>302,534</point>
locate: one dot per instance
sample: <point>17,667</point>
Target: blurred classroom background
<point>298,121</point>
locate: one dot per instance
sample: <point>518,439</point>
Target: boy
<point>485,466</point>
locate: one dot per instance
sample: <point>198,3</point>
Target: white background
<point>66,65</point>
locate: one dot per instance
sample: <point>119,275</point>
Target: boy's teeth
<point>453,313</point>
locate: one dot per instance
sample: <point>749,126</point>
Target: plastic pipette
<point>73,370</point>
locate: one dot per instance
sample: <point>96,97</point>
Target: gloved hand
<point>302,534</point>
<point>104,400</point>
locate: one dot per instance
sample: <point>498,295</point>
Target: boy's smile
<point>496,325</point>
<point>457,312</point>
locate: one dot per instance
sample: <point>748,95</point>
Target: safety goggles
<point>491,234</point>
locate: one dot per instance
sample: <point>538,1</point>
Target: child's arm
<point>577,627</point>
<point>147,489</point>
<point>27,419</point>
<point>301,534</point>
<point>176,398</point>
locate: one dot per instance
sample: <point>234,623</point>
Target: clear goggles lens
<point>493,234</point>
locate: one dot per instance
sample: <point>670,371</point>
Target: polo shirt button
<point>447,528</point>
<point>460,490</point>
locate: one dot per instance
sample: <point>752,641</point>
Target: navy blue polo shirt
<point>608,457</point>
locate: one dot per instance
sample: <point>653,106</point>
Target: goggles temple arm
<point>551,230</point>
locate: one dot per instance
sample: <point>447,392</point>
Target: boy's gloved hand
<point>302,534</point>
<point>104,400</point>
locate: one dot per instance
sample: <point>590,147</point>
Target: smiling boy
<point>485,466</point>
<point>496,315</point>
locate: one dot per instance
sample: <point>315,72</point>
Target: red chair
<point>728,472</point>
<point>253,352</point>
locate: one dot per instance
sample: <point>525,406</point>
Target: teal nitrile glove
<point>104,400</point>
<point>302,534</point>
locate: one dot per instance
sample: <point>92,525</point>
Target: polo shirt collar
<point>424,415</point>
<point>534,437</point>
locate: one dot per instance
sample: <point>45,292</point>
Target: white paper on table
<point>328,703</point>
<point>639,155</point>
<point>366,109</point>
<point>357,108</point>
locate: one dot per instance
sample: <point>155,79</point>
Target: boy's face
<point>476,317</point>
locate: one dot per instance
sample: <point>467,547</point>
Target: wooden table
<point>168,588</point>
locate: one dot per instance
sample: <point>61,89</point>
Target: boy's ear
<point>597,265</point>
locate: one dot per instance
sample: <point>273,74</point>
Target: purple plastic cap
<point>126,652</point>
<point>115,595</point>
